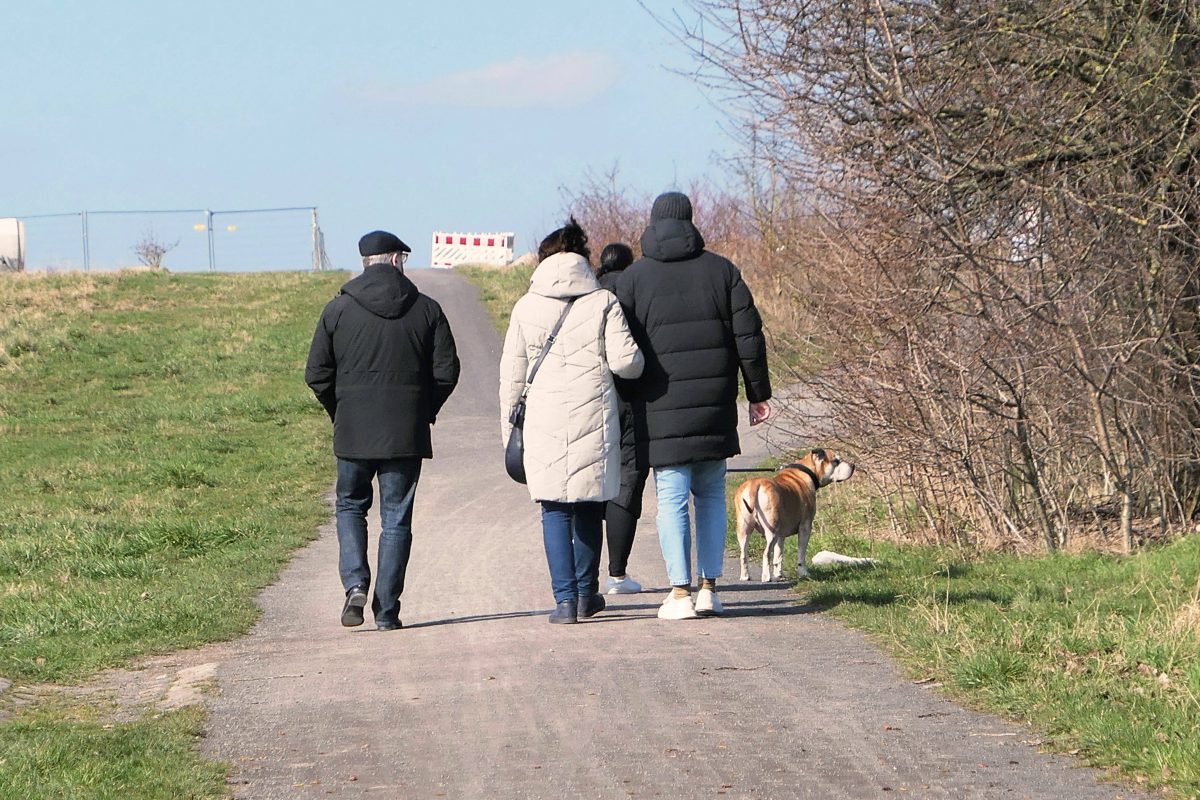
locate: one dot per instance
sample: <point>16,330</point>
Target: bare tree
<point>151,250</point>
<point>1002,248</point>
<point>608,211</point>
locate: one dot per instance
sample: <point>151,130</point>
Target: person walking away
<point>698,327</point>
<point>382,363</point>
<point>572,435</point>
<point>623,511</point>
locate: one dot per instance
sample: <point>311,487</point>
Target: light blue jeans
<point>704,480</point>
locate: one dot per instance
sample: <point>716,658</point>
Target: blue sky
<point>398,115</point>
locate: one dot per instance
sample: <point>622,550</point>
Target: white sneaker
<point>626,585</point>
<point>677,608</point>
<point>708,604</point>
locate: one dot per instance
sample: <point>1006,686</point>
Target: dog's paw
<point>802,573</point>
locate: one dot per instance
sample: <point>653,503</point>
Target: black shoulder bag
<point>514,451</point>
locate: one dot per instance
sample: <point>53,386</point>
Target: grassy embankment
<point>160,458</point>
<point>499,289</point>
<point>1100,654</point>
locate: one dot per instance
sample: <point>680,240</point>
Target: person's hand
<point>759,412</point>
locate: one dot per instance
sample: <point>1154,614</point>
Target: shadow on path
<point>614,612</point>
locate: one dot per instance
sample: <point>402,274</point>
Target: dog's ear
<point>819,454</point>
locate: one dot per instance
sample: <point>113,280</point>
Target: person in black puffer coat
<point>697,325</point>
<point>382,363</point>
<point>622,513</point>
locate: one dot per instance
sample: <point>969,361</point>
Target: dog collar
<point>812,475</point>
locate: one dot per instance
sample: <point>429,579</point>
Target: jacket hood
<point>563,275</point>
<point>383,290</point>
<point>672,240</point>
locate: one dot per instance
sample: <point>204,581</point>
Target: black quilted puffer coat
<point>698,328</point>
<point>382,362</point>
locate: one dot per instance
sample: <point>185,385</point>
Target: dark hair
<point>615,257</point>
<point>570,238</point>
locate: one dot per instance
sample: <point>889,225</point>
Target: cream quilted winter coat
<point>572,437</point>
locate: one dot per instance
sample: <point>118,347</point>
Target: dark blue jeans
<point>397,488</point>
<point>572,533</point>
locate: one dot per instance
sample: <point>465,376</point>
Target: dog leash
<point>766,469</point>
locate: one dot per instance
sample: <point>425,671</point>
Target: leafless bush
<point>1003,257</point>
<point>608,211</point>
<point>151,250</point>
<point>739,223</point>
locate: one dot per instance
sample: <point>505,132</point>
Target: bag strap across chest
<point>546,347</point>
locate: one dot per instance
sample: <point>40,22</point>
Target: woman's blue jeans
<point>397,489</point>
<point>572,534</point>
<point>704,480</point>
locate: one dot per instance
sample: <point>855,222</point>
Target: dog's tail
<point>828,557</point>
<point>755,511</point>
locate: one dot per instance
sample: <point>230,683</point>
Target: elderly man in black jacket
<point>382,363</point>
<point>696,323</point>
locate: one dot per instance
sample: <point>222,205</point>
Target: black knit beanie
<point>671,205</point>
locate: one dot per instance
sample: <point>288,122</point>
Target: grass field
<point>1100,654</point>
<point>161,457</point>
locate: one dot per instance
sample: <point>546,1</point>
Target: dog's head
<point>827,466</point>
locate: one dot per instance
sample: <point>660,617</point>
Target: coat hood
<point>383,290</point>
<point>672,240</point>
<point>563,275</point>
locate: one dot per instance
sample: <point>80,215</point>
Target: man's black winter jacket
<point>697,326</point>
<point>382,362</point>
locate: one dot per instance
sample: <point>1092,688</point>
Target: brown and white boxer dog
<point>784,506</point>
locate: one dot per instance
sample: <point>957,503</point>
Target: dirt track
<point>479,698</point>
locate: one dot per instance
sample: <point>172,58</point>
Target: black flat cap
<point>377,243</point>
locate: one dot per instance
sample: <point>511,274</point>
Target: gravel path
<point>479,698</point>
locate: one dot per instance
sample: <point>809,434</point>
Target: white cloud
<point>566,80</point>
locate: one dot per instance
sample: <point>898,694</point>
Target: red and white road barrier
<point>451,249</point>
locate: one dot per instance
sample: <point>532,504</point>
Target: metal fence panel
<point>54,242</point>
<point>255,240</point>
<point>189,240</point>
<point>115,237</point>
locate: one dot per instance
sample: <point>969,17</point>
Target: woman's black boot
<point>566,612</point>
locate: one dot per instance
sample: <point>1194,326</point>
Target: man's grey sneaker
<point>352,611</point>
<point>388,624</point>
<point>625,585</point>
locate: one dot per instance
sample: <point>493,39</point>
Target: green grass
<point>499,289</point>
<point>32,307</point>
<point>1099,653</point>
<point>161,458</point>
<point>46,753</point>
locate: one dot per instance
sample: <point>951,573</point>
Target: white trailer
<point>12,245</point>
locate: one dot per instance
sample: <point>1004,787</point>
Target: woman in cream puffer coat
<point>572,436</point>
